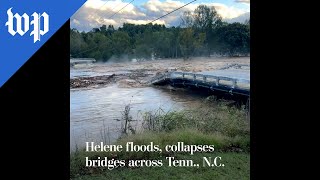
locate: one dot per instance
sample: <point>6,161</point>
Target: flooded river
<point>96,112</point>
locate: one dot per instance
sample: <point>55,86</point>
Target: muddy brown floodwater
<point>100,92</point>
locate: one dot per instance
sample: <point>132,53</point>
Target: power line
<point>150,22</point>
<point>111,9</point>
<point>108,18</point>
<point>104,4</point>
<point>101,6</point>
<point>120,9</point>
<point>116,6</point>
<point>173,11</point>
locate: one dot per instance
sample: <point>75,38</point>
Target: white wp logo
<point>23,21</point>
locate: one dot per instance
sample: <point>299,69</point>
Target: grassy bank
<point>227,128</point>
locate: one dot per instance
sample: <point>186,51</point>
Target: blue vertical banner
<point>25,26</point>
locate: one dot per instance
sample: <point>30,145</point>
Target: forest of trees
<point>201,33</point>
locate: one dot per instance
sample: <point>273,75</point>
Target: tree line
<point>201,33</point>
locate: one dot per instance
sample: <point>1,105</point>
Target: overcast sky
<point>95,13</point>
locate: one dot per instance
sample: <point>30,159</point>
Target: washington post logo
<point>38,20</point>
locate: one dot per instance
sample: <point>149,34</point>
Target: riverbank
<point>227,128</point>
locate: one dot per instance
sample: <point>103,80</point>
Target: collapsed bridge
<point>222,81</point>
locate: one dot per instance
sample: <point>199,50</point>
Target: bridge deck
<point>232,81</point>
<point>75,61</point>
